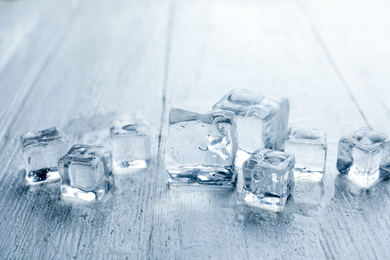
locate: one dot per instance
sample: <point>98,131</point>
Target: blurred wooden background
<point>80,64</point>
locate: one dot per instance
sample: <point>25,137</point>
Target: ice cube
<point>268,179</point>
<point>364,156</point>
<point>86,172</point>
<point>41,152</point>
<point>130,144</point>
<point>261,121</point>
<point>309,148</point>
<point>201,148</point>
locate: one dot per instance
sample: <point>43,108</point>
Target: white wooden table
<point>80,64</point>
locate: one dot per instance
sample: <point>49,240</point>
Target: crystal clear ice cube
<point>201,148</point>
<point>86,172</point>
<point>41,152</point>
<point>268,179</point>
<point>130,144</point>
<point>261,121</point>
<point>364,156</point>
<point>310,149</point>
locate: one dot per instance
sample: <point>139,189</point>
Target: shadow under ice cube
<point>201,148</point>
<point>130,144</point>
<point>41,152</point>
<point>310,149</point>
<point>364,157</point>
<point>268,179</point>
<point>262,122</point>
<point>86,172</point>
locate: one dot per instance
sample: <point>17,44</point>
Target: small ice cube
<point>309,148</point>
<point>364,156</point>
<point>268,179</point>
<point>130,144</point>
<point>86,172</point>
<point>261,121</point>
<point>41,152</point>
<point>201,148</point>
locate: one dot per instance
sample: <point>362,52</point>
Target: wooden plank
<point>108,64</point>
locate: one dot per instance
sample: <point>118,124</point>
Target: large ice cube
<point>268,179</point>
<point>201,148</point>
<point>41,152</point>
<point>130,144</point>
<point>86,172</point>
<point>364,156</point>
<point>261,121</point>
<point>309,148</point>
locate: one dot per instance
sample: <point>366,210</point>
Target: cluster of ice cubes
<point>202,149</point>
<point>85,171</point>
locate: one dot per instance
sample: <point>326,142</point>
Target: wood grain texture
<point>80,64</point>
<point>358,46</point>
